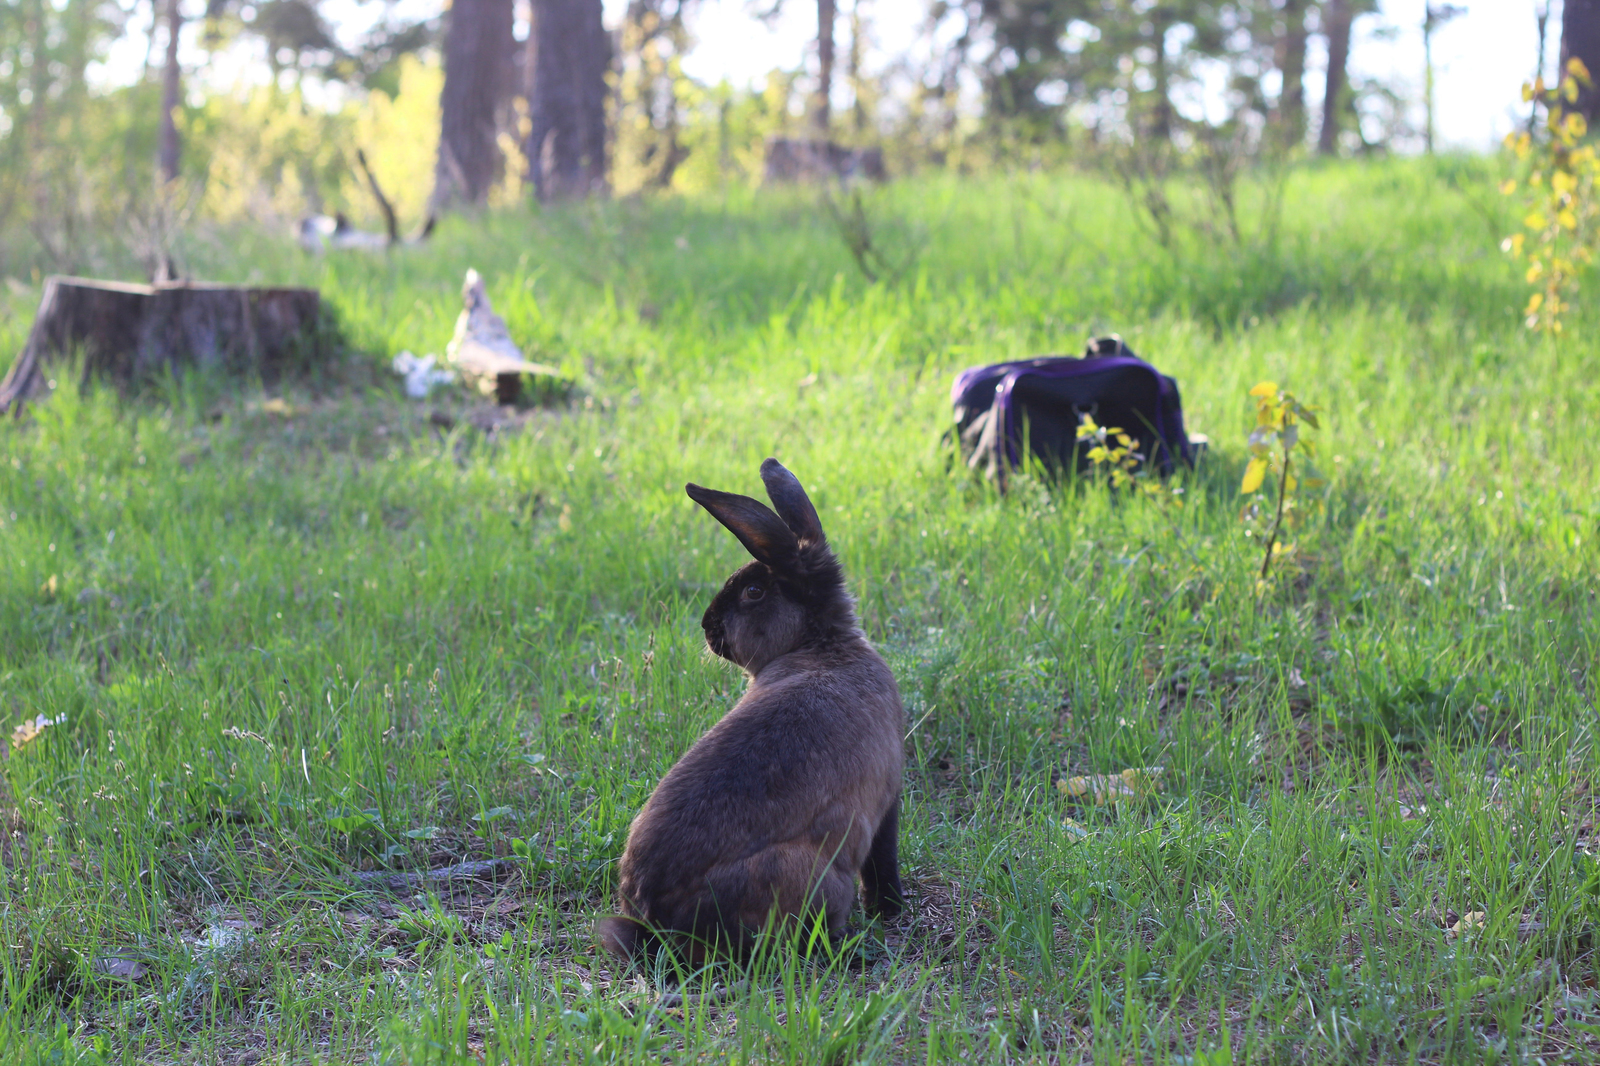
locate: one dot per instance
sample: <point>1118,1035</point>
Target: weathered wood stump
<point>792,159</point>
<point>131,333</point>
<point>483,352</point>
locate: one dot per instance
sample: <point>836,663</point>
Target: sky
<point>1481,58</point>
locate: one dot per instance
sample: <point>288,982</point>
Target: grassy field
<point>295,640</point>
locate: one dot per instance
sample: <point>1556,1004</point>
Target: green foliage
<point>1113,456</point>
<point>1274,442</point>
<point>1562,201</point>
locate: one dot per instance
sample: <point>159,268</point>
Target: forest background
<point>121,122</point>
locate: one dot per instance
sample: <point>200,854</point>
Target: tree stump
<point>485,355</point>
<point>791,159</point>
<point>131,333</point>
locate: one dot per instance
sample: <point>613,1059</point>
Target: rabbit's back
<point>813,748</point>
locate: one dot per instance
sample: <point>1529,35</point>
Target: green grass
<point>290,644</point>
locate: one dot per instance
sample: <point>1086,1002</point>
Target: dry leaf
<point>1467,923</point>
<point>1100,789</point>
<point>31,728</point>
<point>1076,830</point>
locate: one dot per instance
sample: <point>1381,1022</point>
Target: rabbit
<point>774,812</point>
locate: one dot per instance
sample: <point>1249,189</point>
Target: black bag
<point>1037,405</point>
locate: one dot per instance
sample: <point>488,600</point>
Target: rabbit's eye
<point>754,592</point>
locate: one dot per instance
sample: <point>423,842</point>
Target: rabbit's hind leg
<point>791,882</point>
<point>880,874</point>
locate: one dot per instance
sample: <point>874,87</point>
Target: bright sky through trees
<point>1483,57</point>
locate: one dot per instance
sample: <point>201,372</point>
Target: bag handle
<point>1107,346</point>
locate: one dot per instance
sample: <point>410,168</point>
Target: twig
<point>1277,522</point>
<point>671,1000</point>
<point>383,201</point>
<point>481,870</point>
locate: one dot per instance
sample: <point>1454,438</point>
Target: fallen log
<point>132,333</point>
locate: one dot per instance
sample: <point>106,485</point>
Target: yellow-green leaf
<point>1508,186</point>
<point>1255,472</point>
<point>1265,389</point>
<point>1101,789</point>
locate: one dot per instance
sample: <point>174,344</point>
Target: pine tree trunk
<point>477,80</point>
<point>825,19</point>
<point>1580,39</point>
<point>1336,16</point>
<point>1161,123</point>
<point>566,146</point>
<point>170,88</point>
<point>1292,65</point>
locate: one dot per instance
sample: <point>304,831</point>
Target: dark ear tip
<point>770,465</point>
<point>696,493</point>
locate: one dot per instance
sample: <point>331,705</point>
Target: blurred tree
<point>1580,39</point>
<point>1292,38</point>
<point>827,14</point>
<point>478,67</point>
<point>299,41</point>
<point>1028,75</point>
<point>654,39</point>
<point>821,109</point>
<point>171,86</point>
<point>1336,19</point>
<point>566,144</point>
<point>46,47</point>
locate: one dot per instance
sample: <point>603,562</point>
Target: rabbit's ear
<point>762,533</point>
<point>791,502</point>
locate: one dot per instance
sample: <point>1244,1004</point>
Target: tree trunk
<point>477,79</point>
<point>1580,39</point>
<point>170,86</point>
<point>566,146</point>
<point>825,19</point>
<point>128,333</point>
<point>1292,65</point>
<point>1337,17</point>
<point>1161,120</point>
<point>858,106</point>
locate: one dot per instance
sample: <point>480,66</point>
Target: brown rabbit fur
<point>774,812</point>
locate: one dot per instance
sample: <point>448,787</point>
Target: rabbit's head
<point>793,594</point>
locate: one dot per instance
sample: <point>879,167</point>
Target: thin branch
<point>1277,523</point>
